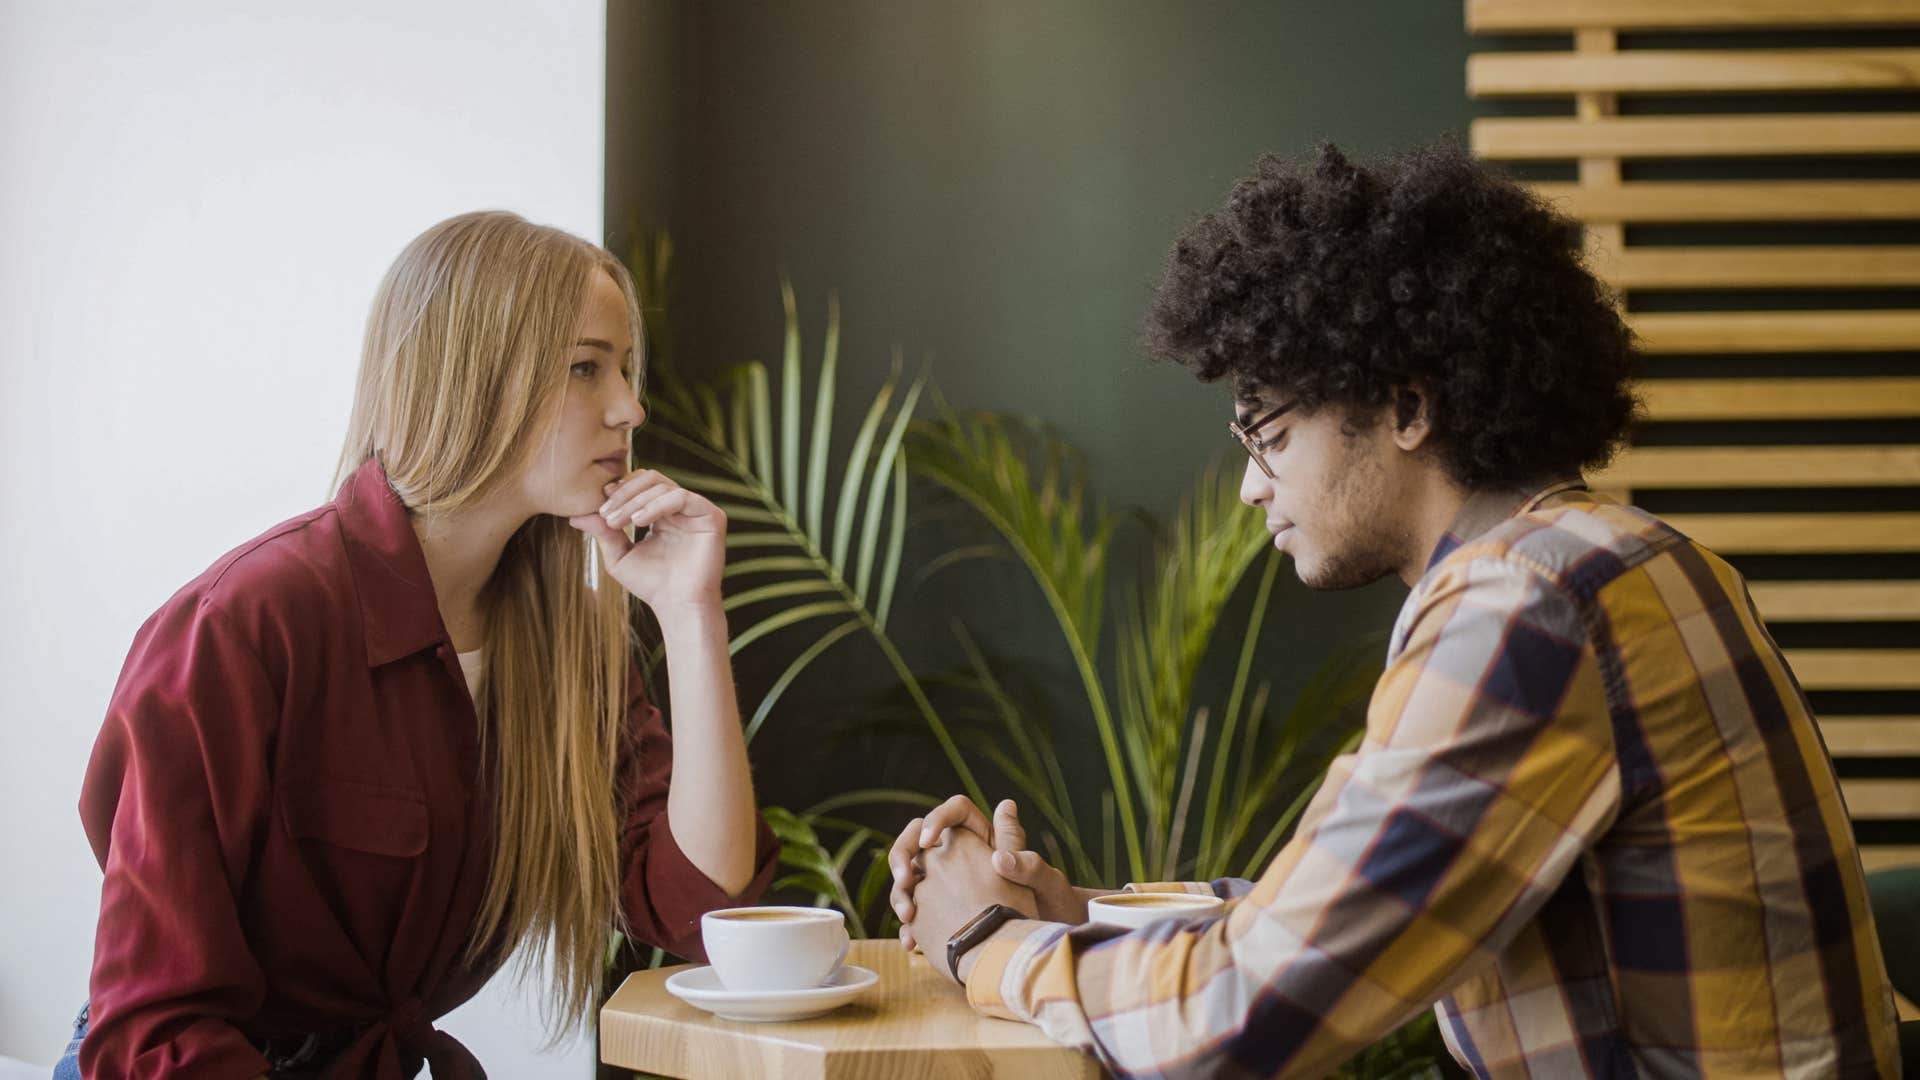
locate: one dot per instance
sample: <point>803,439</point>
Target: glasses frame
<point>1257,448</point>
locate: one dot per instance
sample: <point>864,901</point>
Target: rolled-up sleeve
<point>662,893</point>
<point>175,798</point>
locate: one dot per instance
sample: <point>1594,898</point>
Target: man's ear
<point>1412,417</point>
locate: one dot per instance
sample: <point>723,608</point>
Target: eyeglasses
<point>1257,448</point>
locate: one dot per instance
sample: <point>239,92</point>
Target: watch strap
<point>977,930</point>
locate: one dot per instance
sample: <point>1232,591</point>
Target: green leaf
<point>790,394</point>
<point>870,796</point>
<point>762,421</point>
<point>708,484</point>
<point>889,458</point>
<point>775,591</point>
<point>800,663</point>
<point>782,620</point>
<point>769,565</point>
<point>823,423</point>
<point>856,470</point>
<point>896,538</point>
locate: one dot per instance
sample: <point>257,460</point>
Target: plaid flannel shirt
<point>1591,818</point>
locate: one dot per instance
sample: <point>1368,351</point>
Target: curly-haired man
<point>1591,817</point>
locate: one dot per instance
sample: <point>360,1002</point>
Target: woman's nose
<point>627,412</point>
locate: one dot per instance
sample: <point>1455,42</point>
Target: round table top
<point>915,1022</point>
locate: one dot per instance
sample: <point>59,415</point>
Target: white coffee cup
<point>1134,910</point>
<point>774,948</point>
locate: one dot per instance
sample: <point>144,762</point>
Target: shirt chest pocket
<point>350,814</point>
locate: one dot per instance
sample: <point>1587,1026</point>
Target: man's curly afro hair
<point>1336,284</point>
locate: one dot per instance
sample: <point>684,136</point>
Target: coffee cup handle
<point>846,942</point>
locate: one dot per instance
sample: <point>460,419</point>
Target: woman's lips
<point>614,465</point>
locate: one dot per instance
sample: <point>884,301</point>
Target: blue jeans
<point>68,1067</point>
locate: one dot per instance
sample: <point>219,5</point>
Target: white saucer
<point>700,987</point>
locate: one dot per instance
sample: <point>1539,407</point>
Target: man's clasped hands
<point>951,864</point>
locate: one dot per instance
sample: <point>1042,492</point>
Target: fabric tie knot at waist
<point>417,1038</point>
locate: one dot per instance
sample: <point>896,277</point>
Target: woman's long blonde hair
<point>463,368</point>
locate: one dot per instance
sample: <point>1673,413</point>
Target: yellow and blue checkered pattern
<point>1591,821</point>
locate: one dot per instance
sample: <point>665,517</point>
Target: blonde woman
<point>363,758</point>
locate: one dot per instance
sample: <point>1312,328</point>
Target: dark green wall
<point>993,186</point>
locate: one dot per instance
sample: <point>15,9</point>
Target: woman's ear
<point>1412,417</point>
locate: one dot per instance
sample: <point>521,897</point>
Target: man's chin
<point>1335,575</point>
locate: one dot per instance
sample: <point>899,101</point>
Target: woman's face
<point>586,446</point>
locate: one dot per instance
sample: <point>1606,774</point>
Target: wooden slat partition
<point>1778,331</point>
<point>1856,669</point>
<point>1889,856</point>
<point>1667,201</point>
<point>1765,467</point>
<point>1802,534</point>
<point>1873,736</point>
<point>1849,134</point>
<point>1495,16</point>
<point>1885,398</point>
<point>1838,601</point>
<point>1773,365</point>
<point>1804,267</point>
<point>1678,72</point>
<point>1896,799</point>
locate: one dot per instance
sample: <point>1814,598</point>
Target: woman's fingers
<point>613,543</point>
<point>659,509</point>
<point>621,514</point>
<point>621,491</point>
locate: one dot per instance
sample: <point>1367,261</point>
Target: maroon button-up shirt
<point>288,802</point>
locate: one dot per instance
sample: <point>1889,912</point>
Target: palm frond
<point>730,429</point>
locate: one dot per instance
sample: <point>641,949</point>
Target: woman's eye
<point>586,368</point>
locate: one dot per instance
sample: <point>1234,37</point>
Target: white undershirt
<point>470,664</point>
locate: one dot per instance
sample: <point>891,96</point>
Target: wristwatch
<point>977,930</point>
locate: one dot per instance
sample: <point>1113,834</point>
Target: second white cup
<point>1135,910</point>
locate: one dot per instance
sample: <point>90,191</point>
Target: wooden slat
<point>1837,601</point>
<point>1778,331</point>
<point>1799,534</point>
<point>1876,398</point>
<point>1881,799</point>
<point>1491,16</point>
<point>1676,71</point>
<point>1757,267</point>
<point>1889,856</point>
<point>1764,467</point>
<point>1737,200</point>
<point>1856,669</point>
<point>1528,138</point>
<point>1871,736</point>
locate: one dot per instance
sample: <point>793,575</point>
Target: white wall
<point>196,201</point>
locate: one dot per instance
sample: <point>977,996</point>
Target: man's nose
<point>1254,489</point>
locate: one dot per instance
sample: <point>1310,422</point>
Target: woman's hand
<point>677,557</point>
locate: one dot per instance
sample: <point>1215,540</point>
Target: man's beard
<point>1353,509</point>
<point>1348,569</point>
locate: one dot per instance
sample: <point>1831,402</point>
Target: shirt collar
<point>1485,509</point>
<point>398,608</point>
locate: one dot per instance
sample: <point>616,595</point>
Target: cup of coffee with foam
<point>1136,909</point>
<point>774,948</point>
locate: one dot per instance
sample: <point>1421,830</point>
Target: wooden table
<point>914,1024</point>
